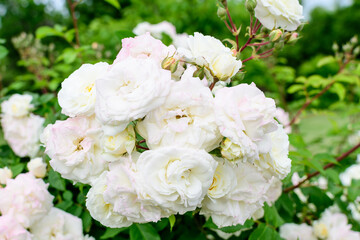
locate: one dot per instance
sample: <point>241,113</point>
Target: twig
<point>330,165</point>
<point>144,148</point>
<point>72,6</point>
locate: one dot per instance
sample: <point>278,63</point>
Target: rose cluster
<point>27,213</point>
<point>152,139</point>
<point>22,129</point>
<point>332,225</point>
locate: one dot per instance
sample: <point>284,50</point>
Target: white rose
<point>77,94</point>
<point>355,209</point>
<point>352,172</point>
<point>244,199</point>
<point>176,178</point>
<point>286,14</point>
<point>210,52</point>
<point>74,149</point>
<point>5,174</point>
<point>291,231</point>
<point>156,30</point>
<point>17,105</point>
<point>58,224</point>
<point>274,191</point>
<point>23,134</point>
<point>245,116</point>
<point>10,229</point>
<point>277,160</point>
<point>122,192</point>
<point>114,146</point>
<point>224,180</point>
<point>186,119</point>
<point>37,167</point>
<point>130,90</point>
<point>103,211</point>
<point>26,198</point>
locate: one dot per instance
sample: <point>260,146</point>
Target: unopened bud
<point>354,40</point>
<point>223,2</point>
<point>335,47</point>
<point>357,51</point>
<point>279,45</point>
<point>275,35</point>
<point>221,12</point>
<point>174,66</point>
<point>167,62</point>
<point>200,73</point>
<point>347,47</point>
<point>250,5</point>
<point>293,37</point>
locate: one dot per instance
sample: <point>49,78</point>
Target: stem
<point>259,44</point>
<point>72,6</point>
<point>212,85</point>
<point>230,19</point>
<point>330,165</point>
<point>144,148</point>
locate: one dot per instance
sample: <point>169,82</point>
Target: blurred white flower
<point>10,229</point>
<point>291,231</point>
<point>156,30</point>
<point>283,118</point>
<point>17,105</point>
<point>5,174</point>
<point>26,198</point>
<point>351,173</point>
<point>23,134</point>
<point>58,225</point>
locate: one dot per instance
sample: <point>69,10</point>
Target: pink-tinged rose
<point>23,134</point>
<point>10,229</point>
<point>143,47</point>
<point>26,198</point>
<point>74,148</point>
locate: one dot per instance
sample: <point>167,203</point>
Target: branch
<point>330,165</point>
<point>308,102</point>
<point>72,6</point>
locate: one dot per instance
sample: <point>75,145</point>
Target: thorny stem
<point>72,6</point>
<point>330,165</point>
<point>232,27</point>
<point>308,102</point>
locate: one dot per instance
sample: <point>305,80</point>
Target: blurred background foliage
<point>38,51</point>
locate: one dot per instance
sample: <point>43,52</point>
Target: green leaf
<point>124,34</point>
<point>352,79</point>
<point>86,220</point>
<point>172,220</point>
<point>247,225</point>
<point>286,203</point>
<point>325,61</point>
<point>166,39</point>
<point>295,88</point>
<point>264,232</point>
<point>64,205</point>
<point>46,31</point>
<point>340,90</point>
<point>143,232</point>
<point>114,3</point>
<point>272,216</point>
<point>17,169</point>
<point>325,158</point>
<point>112,232</point>
<point>56,181</point>
<point>318,197</point>
<point>210,224</point>
<point>354,190</point>
<point>68,195</point>
<point>3,52</point>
